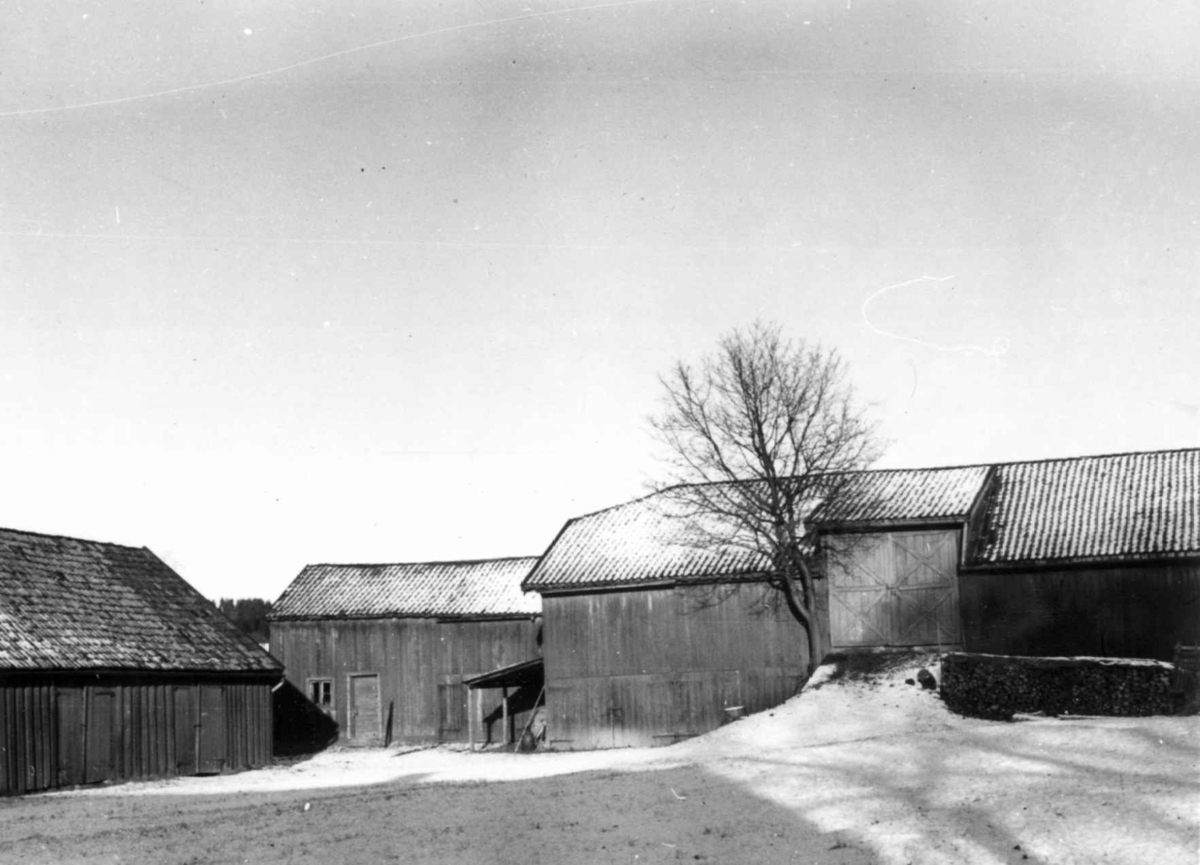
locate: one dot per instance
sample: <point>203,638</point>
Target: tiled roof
<point>81,605</point>
<point>490,588</point>
<point>640,541</point>
<point>905,494</point>
<point>1126,506</point>
<point>1081,509</point>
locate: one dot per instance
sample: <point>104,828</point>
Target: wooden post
<point>471,718</point>
<point>504,714</point>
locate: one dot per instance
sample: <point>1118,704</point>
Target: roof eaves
<point>834,526</point>
<point>661,583</point>
<point>1115,559</point>
<point>526,583</point>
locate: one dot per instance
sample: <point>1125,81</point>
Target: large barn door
<point>364,710</point>
<point>894,589</point>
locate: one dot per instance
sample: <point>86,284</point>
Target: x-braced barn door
<point>894,589</point>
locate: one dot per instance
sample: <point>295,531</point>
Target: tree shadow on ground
<point>645,817</point>
<point>995,792</point>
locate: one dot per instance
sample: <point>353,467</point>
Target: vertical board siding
<point>1128,612</point>
<point>420,663</point>
<point>62,731</point>
<point>655,666</point>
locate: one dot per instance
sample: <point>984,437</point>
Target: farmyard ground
<point>856,769</point>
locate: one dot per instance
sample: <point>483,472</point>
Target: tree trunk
<point>815,654</point>
<point>806,614</point>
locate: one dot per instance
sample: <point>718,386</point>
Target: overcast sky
<point>372,281</point>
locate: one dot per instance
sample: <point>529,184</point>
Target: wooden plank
<point>50,735</point>
<point>5,743</point>
<point>15,737</point>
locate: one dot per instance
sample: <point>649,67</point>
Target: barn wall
<point>420,663</point>
<point>650,667</point>
<point>62,730</point>
<point>471,649</point>
<point>1138,611</point>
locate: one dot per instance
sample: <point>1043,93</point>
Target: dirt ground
<point>856,769</point>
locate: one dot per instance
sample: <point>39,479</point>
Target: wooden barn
<point>1081,556</point>
<point>387,649</point>
<point>112,668</point>
<point>649,639</point>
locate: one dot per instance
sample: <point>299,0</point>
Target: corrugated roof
<point>1138,505</point>
<point>476,589</point>
<point>82,605</point>
<point>905,494</point>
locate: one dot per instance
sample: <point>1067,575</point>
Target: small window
<point>320,691</point>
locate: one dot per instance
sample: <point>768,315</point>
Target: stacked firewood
<point>999,686</point>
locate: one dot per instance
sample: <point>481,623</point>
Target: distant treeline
<point>249,614</point>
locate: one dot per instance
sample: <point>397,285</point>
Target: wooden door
<point>72,736</point>
<point>211,756</point>
<point>894,589</point>
<point>925,588</point>
<point>101,726</point>
<point>365,720</point>
<point>452,709</point>
<point>186,730</point>
<point>859,608</point>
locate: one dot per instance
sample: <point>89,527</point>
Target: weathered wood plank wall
<point>649,667</point>
<point>1135,611</point>
<point>420,662</point>
<point>58,731</point>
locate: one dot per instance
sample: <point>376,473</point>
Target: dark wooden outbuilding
<point>112,667</point>
<point>385,649</point>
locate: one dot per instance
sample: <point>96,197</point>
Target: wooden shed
<point>112,667</point>
<point>385,649</point>
<point>1096,555</point>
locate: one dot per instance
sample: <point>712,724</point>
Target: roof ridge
<point>437,562</point>
<point>679,486</point>
<point>1081,458</point>
<point>75,538</point>
<point>976,465</point>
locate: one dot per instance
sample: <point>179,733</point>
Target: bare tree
<point>756,436</point>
